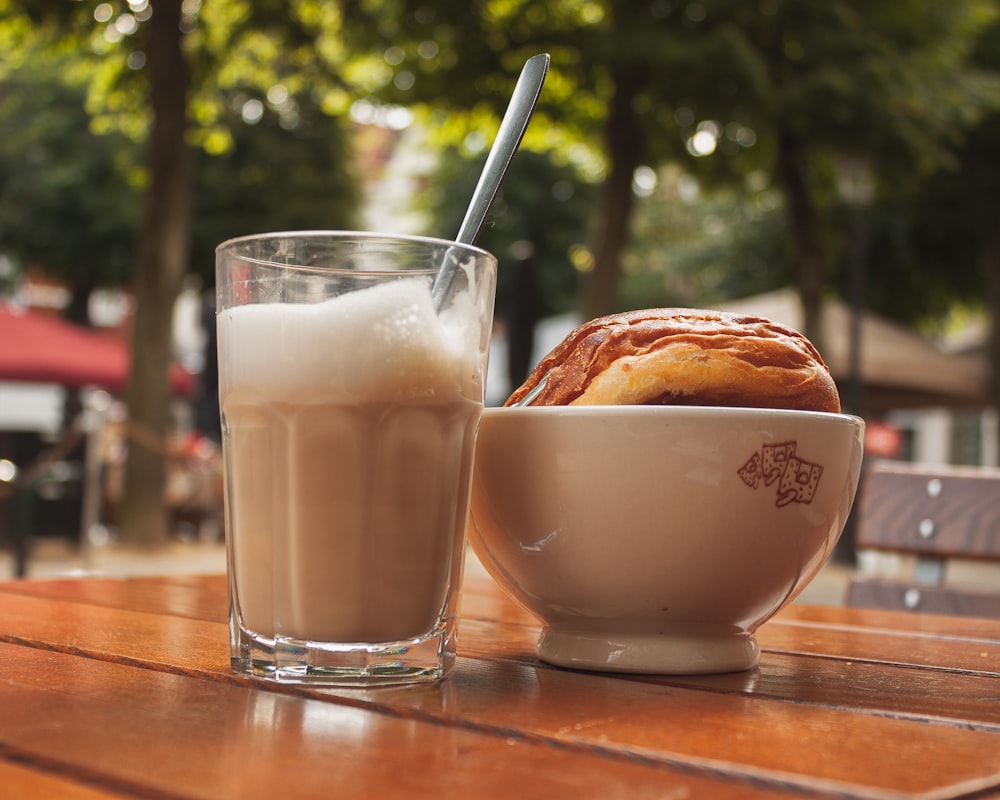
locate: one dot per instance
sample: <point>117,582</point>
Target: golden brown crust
<point>682,356</point>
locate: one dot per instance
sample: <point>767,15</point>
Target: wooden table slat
<point>878,645</point>
<point>676,725</point>
<point>897,621</point>
<point>198,597</point>
<point>940,695</point>
<point>107,683</point>
<point>152,734</point>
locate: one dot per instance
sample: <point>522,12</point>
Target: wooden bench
<point>936,514</point>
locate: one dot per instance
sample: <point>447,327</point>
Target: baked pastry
<point>682,356</point>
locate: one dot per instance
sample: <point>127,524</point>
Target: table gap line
<point>882,631</point>
<point>82,775</point>
<point>984,673</point>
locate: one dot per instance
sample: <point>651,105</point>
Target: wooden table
<point>112,688</point>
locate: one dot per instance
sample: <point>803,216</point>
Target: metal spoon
<point>512,127</point>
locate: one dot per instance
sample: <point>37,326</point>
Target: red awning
<point>39,347</point>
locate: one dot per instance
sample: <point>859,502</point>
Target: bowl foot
<point>662,654</point>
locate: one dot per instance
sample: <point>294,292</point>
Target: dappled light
<point>704,141</point>
<point>122,24</point>
<point>393,117</point>
<point>709,136</point>
<point>644,181</point>
<point>252,111</point>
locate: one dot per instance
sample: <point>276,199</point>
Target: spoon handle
<point>512,127</point>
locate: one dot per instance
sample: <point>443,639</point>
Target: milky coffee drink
<point>348,426</point>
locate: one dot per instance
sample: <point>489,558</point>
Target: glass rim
<point>345,235</point>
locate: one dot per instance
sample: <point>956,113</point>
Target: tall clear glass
<point>350,400</point>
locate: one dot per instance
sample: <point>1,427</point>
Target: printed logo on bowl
<point>797,478</point>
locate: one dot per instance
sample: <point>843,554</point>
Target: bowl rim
<point>679,411</point>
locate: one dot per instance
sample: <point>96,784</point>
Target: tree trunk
<point>522,313</point>
<point>162,260</point>
<point>810,267</point>
<point>623,145</point>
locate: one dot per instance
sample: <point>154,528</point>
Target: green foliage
<point>888,82</point>
<point>65,198</point>
<point>461,59</point>
<point>696,246</point>
<point>74,117</point>
<point>944,229</point>
<point>273,178</point>
<point>905,85</point>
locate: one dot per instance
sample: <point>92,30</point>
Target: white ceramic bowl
<point>657,539</point>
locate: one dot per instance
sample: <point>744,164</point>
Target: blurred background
<point>830,165</point>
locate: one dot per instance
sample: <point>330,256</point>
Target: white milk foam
<point>382,343</point>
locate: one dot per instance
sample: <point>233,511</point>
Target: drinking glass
<point>350,395</point>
